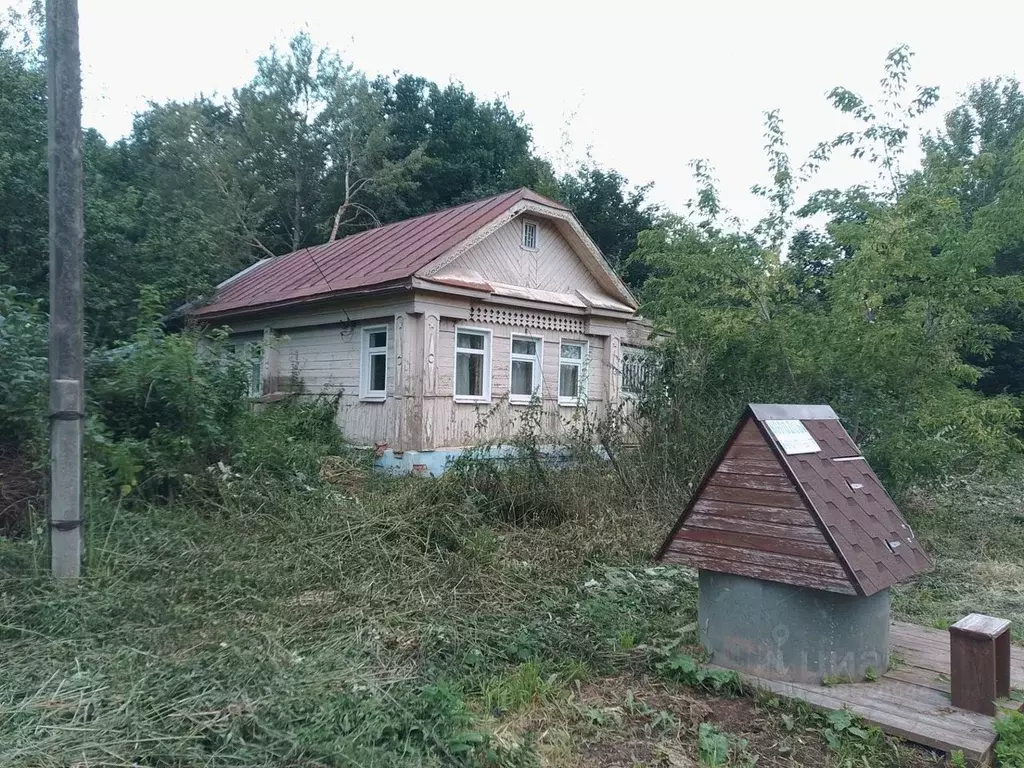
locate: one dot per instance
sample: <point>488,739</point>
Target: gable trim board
<point>783,522</point>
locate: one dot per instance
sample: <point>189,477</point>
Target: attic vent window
<point>893,545</point>
<point>530,235</point>
<point>793,436</point>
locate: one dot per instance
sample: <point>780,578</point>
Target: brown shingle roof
<point>386,255</point>
<point>866,531</point>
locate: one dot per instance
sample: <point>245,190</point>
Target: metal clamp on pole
<point>67,416</point>
<point>66,525</point>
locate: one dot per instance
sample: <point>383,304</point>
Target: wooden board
<point>749,519</point>
<point>911,700</point>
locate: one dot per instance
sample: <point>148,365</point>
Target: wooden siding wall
<point>319,353</point>
<point>554,266</point>
<point>325,360</point>
<point>449,424</point>
<point>750,520</point>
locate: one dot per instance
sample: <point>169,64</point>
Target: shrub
<point>23,355</point>
<point>167,405</point>
<point>1010,745</point>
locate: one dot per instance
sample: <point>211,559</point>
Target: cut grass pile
<point>303,624</point>
<point>277,619</point>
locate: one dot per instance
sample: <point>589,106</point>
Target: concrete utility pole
<point>67,246</point>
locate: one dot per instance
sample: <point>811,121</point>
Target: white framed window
<point>252,355</point>
<point>572,372</point>
<point>472,365</point>
<point>529,235</point>
<point>255,353</point>
<point>635,371</point>
<point>525,369</point>
<point>373,376</point>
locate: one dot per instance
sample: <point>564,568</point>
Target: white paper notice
<point>792,436</point>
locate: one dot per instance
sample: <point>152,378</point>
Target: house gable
<point>501,258</point>
<point>750,519</point>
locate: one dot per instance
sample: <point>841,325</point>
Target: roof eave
<point>246,312</point>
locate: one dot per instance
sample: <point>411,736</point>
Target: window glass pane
<point>572,351</point>
<point>524,347</point>
<point>636,372</point>
<point>530,235</point>
<point>522,377</point>
<point>469,374</point>
<point>378,339</point>
<point>569,380</point>
<point>378,372</point>
<point>471,340</point>
<point>255,377</point>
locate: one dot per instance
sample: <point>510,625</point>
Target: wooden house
<point>797,544</point>
<point>439,331</point>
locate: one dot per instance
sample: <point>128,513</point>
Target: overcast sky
<point>646,86</point>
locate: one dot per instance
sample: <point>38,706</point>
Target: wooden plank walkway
<point>911,700</point>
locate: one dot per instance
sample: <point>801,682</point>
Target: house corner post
<point>409,384</point>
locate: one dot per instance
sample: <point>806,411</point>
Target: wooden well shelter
<point>797,544</point>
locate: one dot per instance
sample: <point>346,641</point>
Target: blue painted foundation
<point>426,463</point>
<point>434,463</point>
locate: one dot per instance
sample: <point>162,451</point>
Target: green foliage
<point>1009,727</point>
<point>882,318</point>
<point>687,670</point>
<point>168,408</point>
<point>716,749</point>
<point>23,387</point>
<point>469,148</point>
<point>522,686</point>
<point>853,743</point>
<point>612,213</point>
<point>23,174</point>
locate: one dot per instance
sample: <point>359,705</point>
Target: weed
<point>713,746</point>
<point>1010,744</point>
<point>519,687</point>
<point>719,749</point>
<point>853,743</point>
<point>830,680</point>
<point>685,669</point>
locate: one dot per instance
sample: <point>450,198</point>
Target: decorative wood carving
<point>542,321</point>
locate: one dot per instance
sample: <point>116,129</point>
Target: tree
<point>470,148</point>
<point>612,213</point>
<point>980,146</point>
<point>278,117</point>
<point>24,257</point>
<point>879,316</point>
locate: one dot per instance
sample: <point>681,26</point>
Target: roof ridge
<point>447,209</point>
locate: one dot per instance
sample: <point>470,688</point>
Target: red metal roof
<point>754,532</point>
<point>388,254</point>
